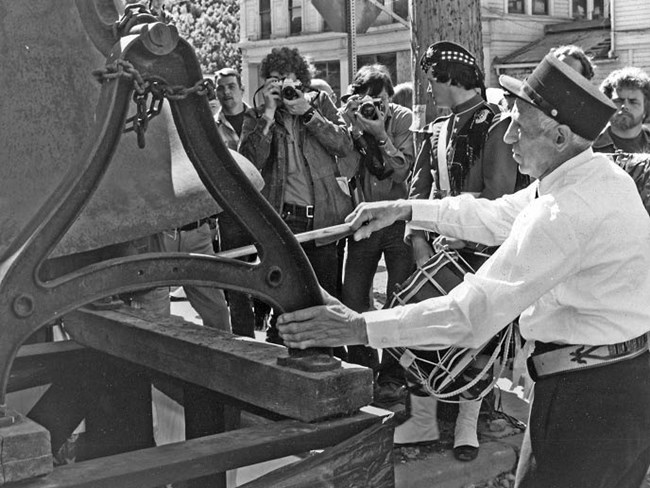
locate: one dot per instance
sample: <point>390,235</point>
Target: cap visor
<point>515,87</point>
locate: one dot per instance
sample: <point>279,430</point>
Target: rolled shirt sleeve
<point>485,302</point>
<point>572,264</point>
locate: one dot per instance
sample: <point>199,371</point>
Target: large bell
<point>49,96</point>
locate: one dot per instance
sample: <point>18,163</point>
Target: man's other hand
<point>298,106</point>
<point>369,217</point>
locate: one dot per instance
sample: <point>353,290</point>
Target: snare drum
<point>449,372</point>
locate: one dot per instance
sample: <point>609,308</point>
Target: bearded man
<point>629,89</point>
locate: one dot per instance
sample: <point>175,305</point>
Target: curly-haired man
<point>293,138</point>
<point>629,89</point>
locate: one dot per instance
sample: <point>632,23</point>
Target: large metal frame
<point>283,277</point>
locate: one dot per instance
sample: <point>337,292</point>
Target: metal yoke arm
<point>284,276</point>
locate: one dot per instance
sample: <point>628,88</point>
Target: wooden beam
<point>41,364</point>
<point>365,459</point>
<point>239,367</point>
<point>24,450</point>
<point>217,453</point>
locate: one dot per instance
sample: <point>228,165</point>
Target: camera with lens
<point>371,157</point>
<point>370,108</point>
<point>290,89</point>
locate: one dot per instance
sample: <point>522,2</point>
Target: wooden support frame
<point>234,366</point>
<point>365,459</point>
<point>352,442</point>
<point>211,454</point>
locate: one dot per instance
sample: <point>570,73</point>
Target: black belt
<point>305,212</point>
<point>194,225</point>
<point>551,359</point>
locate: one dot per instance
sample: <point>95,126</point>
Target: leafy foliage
<point>211,27</point>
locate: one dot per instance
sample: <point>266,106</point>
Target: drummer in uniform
<point>572,264</point>
<point>472,158</point>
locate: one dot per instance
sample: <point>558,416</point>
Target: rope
<point>442,368</point>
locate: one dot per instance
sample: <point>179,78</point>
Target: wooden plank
<point>24,450</point>
<point>119,416</point>
<point>217,453</point>
<point>206,414</point>
<point>365,459</point>
<point>112,395</point>
<point>41,364</point>
<point>239,367</point>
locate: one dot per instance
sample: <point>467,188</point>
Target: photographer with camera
<point>293,138</point>
<point>380,166</point>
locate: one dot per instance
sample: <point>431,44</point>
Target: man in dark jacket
<point>629,89</point>
<point>293,138</point>
<point>379,166</point>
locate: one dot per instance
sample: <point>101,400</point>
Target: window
<point>534,7</point>
<point>598,11</point>
<point>401,8</point>
<point>295,16</point>
<point>579,9</point>
<point>588,9</point>
<point>265,19</point>
<point>330,71</point>
<point>516,7</point>
<point>540,7</point>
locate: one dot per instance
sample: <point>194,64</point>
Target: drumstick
<point>334,232</point>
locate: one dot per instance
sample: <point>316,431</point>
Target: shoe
<point>108,303</point>
<point>388,394</point>
<point>466,431</point>
<point>465,453</point>
<point>422,425</point>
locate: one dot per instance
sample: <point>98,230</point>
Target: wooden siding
<point>632,15</point>
<point>561,8</point>
<point>495,7</point>
<point>249,21</point>
<point>312,22</point>
<point>279,18</point>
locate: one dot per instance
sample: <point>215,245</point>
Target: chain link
<point>134,14</point>
<point>149,95</point>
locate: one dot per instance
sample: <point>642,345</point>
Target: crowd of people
<point>556,236</point>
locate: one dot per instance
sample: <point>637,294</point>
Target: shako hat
<point>446,51</point>
<point>564,95</point>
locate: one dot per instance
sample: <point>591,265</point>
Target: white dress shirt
<point>574,263</point>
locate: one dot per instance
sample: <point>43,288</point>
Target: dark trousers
<point>360,268</point>
<point>589,429</point>
<point>242,316</point>
<point>324,261</point>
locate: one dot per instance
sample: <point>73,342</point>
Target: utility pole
<point>351,9</point>
<point>441,20</point>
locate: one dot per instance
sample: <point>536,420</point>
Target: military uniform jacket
<point>478,160</point>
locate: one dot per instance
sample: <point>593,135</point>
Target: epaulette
<point>499,117</point>
<point>429,128</point>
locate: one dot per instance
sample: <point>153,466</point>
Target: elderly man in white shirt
<point>573,262</point>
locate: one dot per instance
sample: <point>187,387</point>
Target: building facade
<point>509,27</point>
